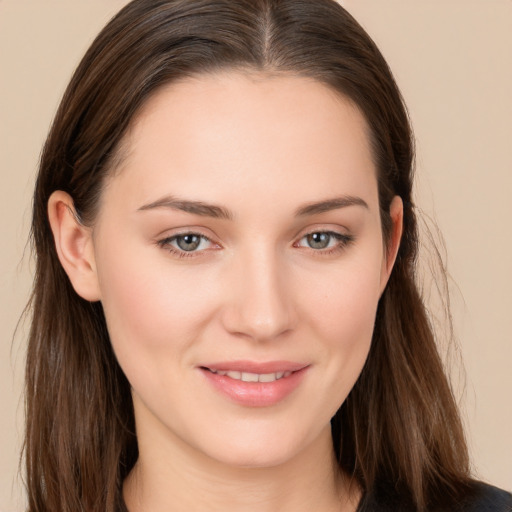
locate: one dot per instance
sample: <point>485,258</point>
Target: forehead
<point>252,133</point>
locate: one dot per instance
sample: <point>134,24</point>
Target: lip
<point>256,367</point>
<point>255,394</point>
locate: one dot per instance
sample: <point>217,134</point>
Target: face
<point>239,257</point>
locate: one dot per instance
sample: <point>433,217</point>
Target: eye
<point>186,244</point>
<point>326,241</point>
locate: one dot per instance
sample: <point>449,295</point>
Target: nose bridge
<point>262,305</point>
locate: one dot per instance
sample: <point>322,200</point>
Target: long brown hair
<point>398,434</point>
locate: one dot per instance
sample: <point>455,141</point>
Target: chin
<point>265,448</point>
<point>247,458</point>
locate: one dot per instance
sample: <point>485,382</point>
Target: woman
<point>225,312</point>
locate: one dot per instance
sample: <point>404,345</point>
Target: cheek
<point>345,300</point>
<point>342,315</point>
<point>148,307</point>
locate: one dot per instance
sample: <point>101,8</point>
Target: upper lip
<point>255,366</point>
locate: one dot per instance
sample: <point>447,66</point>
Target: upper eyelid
<point>342,231</point>
<point>185,233</point>
<point>326,231</point>
<point>322,230</point>
<point>184,230</point>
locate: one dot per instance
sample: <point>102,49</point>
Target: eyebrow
<point>330,204</point>
<point>218,212</point>
<point>195,207</point>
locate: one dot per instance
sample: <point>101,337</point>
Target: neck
<point>179,478</point>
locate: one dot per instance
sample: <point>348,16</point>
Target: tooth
<point>249,377</point>
<point>253,377</point>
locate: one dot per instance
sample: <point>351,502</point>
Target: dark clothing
<point>480,498</point>
<point>488,499</point>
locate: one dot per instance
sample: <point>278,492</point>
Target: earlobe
<point>74,245</point>
<point>396,212</point>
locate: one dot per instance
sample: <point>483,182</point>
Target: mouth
<point>255,384</point>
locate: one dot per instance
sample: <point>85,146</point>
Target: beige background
<point>452,59</point>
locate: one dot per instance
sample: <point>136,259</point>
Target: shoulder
<point>486,498</point>
<point>475,497</point>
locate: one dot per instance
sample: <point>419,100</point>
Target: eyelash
<point>342,242</point>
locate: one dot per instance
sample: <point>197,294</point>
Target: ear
<point>396,212</point>
<point>74,245</point>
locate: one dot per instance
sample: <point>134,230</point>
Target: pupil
<point>319,240</point>
<point>188,242</point>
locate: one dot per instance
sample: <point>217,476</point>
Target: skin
<point>261,147</point>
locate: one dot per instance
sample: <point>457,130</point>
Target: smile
<point>253,384</point>
<point>252,377</point>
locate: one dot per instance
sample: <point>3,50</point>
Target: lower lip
<point>255,394</point>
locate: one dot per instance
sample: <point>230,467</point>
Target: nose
<point>261,302</point>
